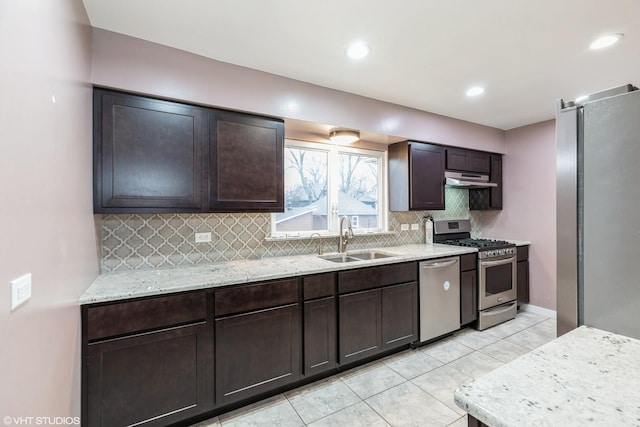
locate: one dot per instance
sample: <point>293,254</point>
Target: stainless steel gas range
<point>497,282</point>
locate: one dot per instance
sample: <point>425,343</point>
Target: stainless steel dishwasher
<point>439,297</point>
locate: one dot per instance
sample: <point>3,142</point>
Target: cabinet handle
<point>440,264</point>
<point>492,263</point>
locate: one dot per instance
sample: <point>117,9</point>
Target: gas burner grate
<point>476,243</point>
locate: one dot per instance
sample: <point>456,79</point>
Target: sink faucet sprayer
<point>344,237</point>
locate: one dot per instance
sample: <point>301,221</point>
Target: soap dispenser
<point>428,229</point>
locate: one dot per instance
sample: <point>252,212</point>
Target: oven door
<point>497,283</point>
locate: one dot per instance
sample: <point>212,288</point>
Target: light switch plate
<point>203,237</point>
<point>415,226</point>
<point>20,290</point>
<point>404,227</point>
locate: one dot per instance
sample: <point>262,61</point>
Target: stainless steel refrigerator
<point>598,212</point>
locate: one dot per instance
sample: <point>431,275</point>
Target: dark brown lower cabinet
<point>523,282</point>
<point>151,379</point>
<point>468,297</point>
<point>522,273</point>
<point>399,315</point>
<point>377,320</point>
<point>320,336</point>
<point>360,325</point>
<point>256,352</point>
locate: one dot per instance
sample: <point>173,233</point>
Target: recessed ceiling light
<point>606,41</point>
<point>357,50</point>
<point>475,91</point>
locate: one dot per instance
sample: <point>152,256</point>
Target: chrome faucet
<point>319,242</point>
<point>344,237</point>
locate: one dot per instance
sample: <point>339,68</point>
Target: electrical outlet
<point>203,237</point>
<point>20,290</point>
<point>415,226</point>
<point>404,227</point>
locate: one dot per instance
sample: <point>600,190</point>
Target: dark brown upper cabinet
<point>489,198</point>
<point>154,156</point>
<point>246,163</point>
<point>416,176</point>
<point>149,155</point>
<point>468,161</point>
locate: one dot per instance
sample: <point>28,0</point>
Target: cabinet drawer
<point>467,262</point>
<point>375,277</point>
<point>318,286</point>
<point>136,316</point>
<point>523,253</point>
<point>255,297</point>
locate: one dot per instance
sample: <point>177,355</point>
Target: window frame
<point>333,152</point>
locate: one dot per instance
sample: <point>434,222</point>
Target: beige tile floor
<point>411,388</point>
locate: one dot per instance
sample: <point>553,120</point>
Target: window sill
<point>324,236</point>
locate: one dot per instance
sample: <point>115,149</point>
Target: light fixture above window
<point>606,41</point>
<point>344,136</point>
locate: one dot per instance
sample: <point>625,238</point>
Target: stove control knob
<point>500,251</point>
<point>491,254</point>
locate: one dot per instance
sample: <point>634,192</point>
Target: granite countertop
<point>585,377</point>
<point>519,242</point>
<point>134,284</point>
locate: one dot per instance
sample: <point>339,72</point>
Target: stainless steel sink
<point>371,254</point>
<point>340,258</point>
<point>358,256</point>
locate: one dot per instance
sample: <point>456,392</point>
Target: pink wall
<point>45,202</point>
<point>132,64</point>
<point>530,204</point>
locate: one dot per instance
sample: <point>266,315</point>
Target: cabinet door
<point>468,297</point>
<point>489,198</point>
<point>153,379</point>
<point>256,352</point>
<point>468,161</point>
<point>399,315</point>
<point>426,181</point>
<point>320,336</point>
<point>523,282</point>
<point>360,324</point>
<point>246,163</point>
<point>149,155</point>
<point>496,176</point>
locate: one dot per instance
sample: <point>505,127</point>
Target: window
<point>322,183</point>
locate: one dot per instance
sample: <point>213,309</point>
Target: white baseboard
<point>539,310</point>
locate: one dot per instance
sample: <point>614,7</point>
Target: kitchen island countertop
<point>585,377</point>
<point>142,283</point>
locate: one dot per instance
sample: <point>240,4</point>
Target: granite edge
<point>102,290</point>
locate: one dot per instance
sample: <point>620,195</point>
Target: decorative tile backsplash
<point>132,242</point>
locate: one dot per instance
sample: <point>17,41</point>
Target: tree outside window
<point>323,183</point>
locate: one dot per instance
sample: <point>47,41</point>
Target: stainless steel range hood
<point>467,180</point>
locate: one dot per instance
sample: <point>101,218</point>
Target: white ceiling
<point>424,53</point>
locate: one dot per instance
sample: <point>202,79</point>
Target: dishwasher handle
<point>439,264</point>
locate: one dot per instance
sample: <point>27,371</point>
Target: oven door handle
<point>500,309</point>
<point>439,264</point>
<point>499,262</point>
